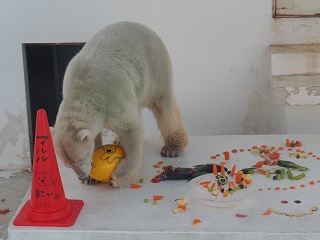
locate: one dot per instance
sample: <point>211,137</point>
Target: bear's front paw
<point>123,175</point>
<point>171,151</point>
<point>91,181</point>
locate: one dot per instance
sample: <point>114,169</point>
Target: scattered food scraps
<point>157,197</point>
<point>181,205</point>
<point>270,210</point>
<point>196,221</point>
<point>240,215</point>
<point>4,211</point>
<point>135,186</point>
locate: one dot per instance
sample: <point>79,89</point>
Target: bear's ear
<point>83,135</point>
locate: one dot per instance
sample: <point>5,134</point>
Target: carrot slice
<point>238,177</point>
<point>233,170</point>
<point>222,170</point>
<point>226,155</point>
<point>232,185</point>
<point>156,166</point>
<point>274,155</point>
<point>205,183</point>
<point>213,157</point>
<point>266,213</point>
<point>196,221</point>
<point>263,172</point>
<point>288,143</point>
<point>234,151</point>
<point>259,164</point>
<point>183,207</point>
<point>215,170</point>
<point>135,186</point>
<point>281,148</point>
<point>299,144</point>
<point>225,194</point>
<point>157,197</point>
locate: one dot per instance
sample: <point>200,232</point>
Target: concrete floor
<point>13,187</point>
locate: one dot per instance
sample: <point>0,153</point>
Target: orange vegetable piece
<point>266,213</point>
<point>310,153</point>
<point>277,188</point>
<point>160,163</point>
<point>302,185</point>
<point>264,146</point>
<point>247,181</point>
<point>274,155</point>
<point>213,157</point>
<point>281,148</point>
<point>196,221</point>
<point>233,170</point>
<point>298,144</point>
<point>289,149</point>
<point>263,172</point>
<point>183,207</point>
<point>225,194</point>
<point>156,166</point>
<point>234,151</point>
<point>213,185</point>
<point>241,150</point>
<point>205,183</point>
<point>215,170</point>
<point>259,164</point>
<point>311,182</point>
<point>292,187</point>
<point>238,177</point>
<point>232,185</point>
<point>254,147</point>
<point>226,155</point>
<point>260,189</point>
<point>288,143</point>
<point>157,197</point>
<point>135,186</point>
<point>222,171</point>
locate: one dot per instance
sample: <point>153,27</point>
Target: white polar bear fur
<point>122,68</point>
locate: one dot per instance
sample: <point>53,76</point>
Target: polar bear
<point>121,69</point>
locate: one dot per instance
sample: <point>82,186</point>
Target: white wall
<point>219,51</point>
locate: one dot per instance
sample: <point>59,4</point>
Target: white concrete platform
<point>111,213</point>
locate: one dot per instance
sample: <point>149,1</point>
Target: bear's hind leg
<point>170,123</point>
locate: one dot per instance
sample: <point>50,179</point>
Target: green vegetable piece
<point>288,164</point>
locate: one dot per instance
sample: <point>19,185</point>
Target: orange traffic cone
<point>48,205</point>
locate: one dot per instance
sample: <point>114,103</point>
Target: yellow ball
<point>104,161</point>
